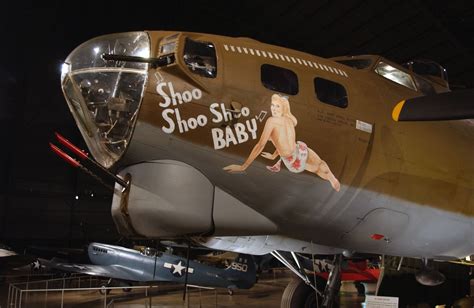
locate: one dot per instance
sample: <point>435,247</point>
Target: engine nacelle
<point>170,198</point>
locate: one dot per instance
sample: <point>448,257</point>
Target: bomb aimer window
<point>200,58</point>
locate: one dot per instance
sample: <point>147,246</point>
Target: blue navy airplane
<point>127,264</point>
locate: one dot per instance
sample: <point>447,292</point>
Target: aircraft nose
<point>104,96</point>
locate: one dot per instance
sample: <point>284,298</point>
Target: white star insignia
<point>178,268</point>
<point>36,265</point>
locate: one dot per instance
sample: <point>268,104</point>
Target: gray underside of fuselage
<point>294,206</point>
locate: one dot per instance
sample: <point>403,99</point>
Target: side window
<point>330,92</point>
<point>200,58</point>
<point>356,63</point>
<point>279,79</point>
<point>424,86</point>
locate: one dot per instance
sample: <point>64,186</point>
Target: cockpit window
<point>100,250</point>
<point>356,63</point>
<point>200,58</point>
<point>394,74</point>
<point>426,69</point>
<point>424,86</point>
<point>151,252</point>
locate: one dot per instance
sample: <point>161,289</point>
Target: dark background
<point>38,191</point>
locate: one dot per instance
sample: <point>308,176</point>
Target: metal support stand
<point>62,293</point>
<point>400,264</point>
<point>382,273</point>
<point>46,295</point>
<point>9,294</point>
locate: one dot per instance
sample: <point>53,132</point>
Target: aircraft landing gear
<point>298,294</point>
<point>103,287</point>
<point>331,292</point>
<point>303,293</point>
<point>103,290</point>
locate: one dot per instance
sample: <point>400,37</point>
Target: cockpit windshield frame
<point>392,73</point>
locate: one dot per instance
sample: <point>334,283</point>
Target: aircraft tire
<point>360,288</point>
<point>126,287</point>
<point>103,290</point>
<point>299,295</point>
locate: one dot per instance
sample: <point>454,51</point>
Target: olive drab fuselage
<point>196,148</point>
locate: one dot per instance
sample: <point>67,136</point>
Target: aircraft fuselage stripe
<point>286,58</point>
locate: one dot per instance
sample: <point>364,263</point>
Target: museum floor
<point>266,293</point>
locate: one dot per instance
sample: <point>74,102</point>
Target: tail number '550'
<point>239,267</point>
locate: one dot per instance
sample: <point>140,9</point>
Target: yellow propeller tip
<point>396,111</point>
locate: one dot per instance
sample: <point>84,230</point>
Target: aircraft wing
<point>15,261</point>
<point>109,271</point>
<point>5,252</point>
<point>445,106</point>
<point>9,259</point>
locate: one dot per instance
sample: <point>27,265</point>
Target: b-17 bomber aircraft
<point>129,265</point>
<point>248,147</point>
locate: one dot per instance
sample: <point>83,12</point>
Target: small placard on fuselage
<point>364,126</point>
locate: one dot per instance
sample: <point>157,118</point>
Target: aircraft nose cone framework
<point>104,96</point>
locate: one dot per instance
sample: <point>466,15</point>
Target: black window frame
<point>328,97</point>
<point>274,78</point>
<point>358,63</point>
<point>204,65</point>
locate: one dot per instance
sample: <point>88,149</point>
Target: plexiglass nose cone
<point>104,96</point>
